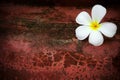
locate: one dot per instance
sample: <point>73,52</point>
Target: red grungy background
<point>37,42</point>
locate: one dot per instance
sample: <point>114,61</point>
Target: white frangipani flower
<point>91,26</point>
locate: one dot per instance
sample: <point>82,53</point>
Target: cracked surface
<point>32,47</point>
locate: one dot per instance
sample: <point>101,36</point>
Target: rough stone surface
<point>38,43</point>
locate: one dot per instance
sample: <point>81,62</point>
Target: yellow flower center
<point>94,25</point>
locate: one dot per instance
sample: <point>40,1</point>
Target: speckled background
<point>39,43</point>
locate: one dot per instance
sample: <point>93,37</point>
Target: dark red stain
<point>28,54</point>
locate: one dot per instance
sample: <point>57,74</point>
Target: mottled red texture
<point>28,52</point>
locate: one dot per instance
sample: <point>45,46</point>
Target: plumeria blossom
<point>91,26</point>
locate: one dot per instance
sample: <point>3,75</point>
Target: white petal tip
<point>82,32</point>
<point>98,12</point>
<point>83,18</point>
<point>96,38</point>
<point>99,44</point>
<point>108,29</point>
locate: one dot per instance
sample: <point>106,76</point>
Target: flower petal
<point>108,29</point>
<point>83,18</point>
<point>96,38</point>
<point>98,12</point>
<point>82,32</point>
